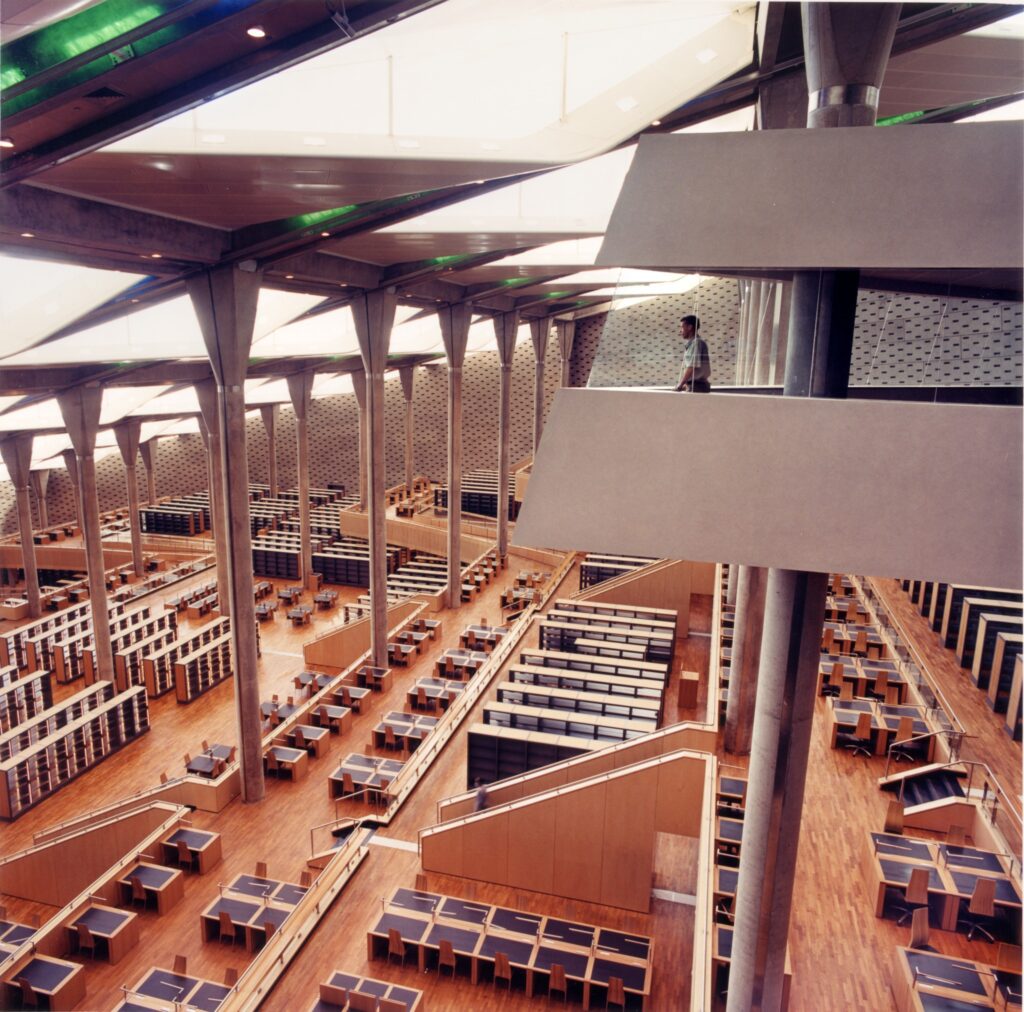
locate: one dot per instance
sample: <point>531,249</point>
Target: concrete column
<point>210,429</point>
<point>40,479</point>
<point>17,456</point>
<point>539,336</point>
<point>81,407</point>
<point>148,452</point>
<point>730,584</point>
<point>408,375</point>
<point>780,330</point>
<point>846,51</point>
<point>359,388</point>
<point>374,316</point>
<point>224,299</point>
<point>746,656</point>
<point>269,413</point>
<point>71,464</point>
<point>300,389</point>
<point>506,326</point>
<point>455,320</point>
<point>127,434</point>
<point>566,336</point>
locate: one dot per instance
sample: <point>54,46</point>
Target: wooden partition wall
<point>68,558</point>
<point>664,584</point>
<point>339,647</point>
<point>57,872</point>
<point>411,534</point>
<point>592,840</point>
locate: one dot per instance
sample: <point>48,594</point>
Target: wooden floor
<point>841,954</point>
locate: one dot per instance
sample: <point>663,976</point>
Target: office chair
<point>916,895</point>
<point>908,751</point>
<point>300,738</point>
<point>29,998</point>
<point>273,766</point>
<point>138,892</point>
<point>390,742</point>
<point>859,740</point>
<point>981,910</point>
<point>881,688</point>
<point>834,684</point>
<point>894,817</point>
<point>846,692</point>
<point>920,930</point>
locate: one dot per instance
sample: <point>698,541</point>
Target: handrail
<point>906,641</point>
<point>909,741</point>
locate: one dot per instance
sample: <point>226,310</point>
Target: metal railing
<point>895,746</point>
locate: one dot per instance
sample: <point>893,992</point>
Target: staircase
<point>926,784</point>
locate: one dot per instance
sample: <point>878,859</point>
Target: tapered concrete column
<point>730,584</point>
<point>40,479</point>
<point>506,326</point>
<point>269,413</point>
<point>126,433</point>
<point>17,456</point>
<point>300,389</point>
<point>81,407</point>
<point>846,49</point>
<point>374,316</point>
<point>746,656</point>
<point>225,303</point>
<point>539,336</point>
<point>408,376</point>
<point>71,464</point>
<point>359,389</point>
<point>455,320</point>
<point>741,330</point>
<point>147,450</point>
<point>566,336</point>
<point>209,428</point>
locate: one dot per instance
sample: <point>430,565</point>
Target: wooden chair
<point>445,956</point>
<point>835,680</point>
<point>1008,957</point>
<point>164,778</point>
<point>186,859</point>
<point>391,1005</point>
<point>556,982</point>
<point>449,667</point>
<point>920,931</point>
<point>227,927</point>
<point>422,703</point>
<point>206,745</point>
<point>29,998</point>
<point>828,640</point>
<point>273,766</point>
<point>269,927</point>
<point>348,787</point>
<point>181,965</point>
<point>909,751</point>
<point>86,939</point>
<point>981,910</point>
<point>421,883</point>
<point>358,1001</point>
<point>138,892</point>
<point>859,740</point>
<point>616,993</point>
<point>881,689</point>
<point>396,947</point>
<point>231,976</point>
<point>232,753</point>
<point>306,879</point>
<point>916,895</point>
<point>860,643</point>
<point>502,969</point>
<point>261,869</point>
<point>894,817</point>
<point>390,741</point>
<point>956,835</point>
<point>331,994</point>
<point>845,692</point>
<point>300,738</point>
<point>188,759</point>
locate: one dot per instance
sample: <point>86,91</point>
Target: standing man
<point>696,374</point>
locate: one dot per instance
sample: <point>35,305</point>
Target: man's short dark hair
<point>691,319</point>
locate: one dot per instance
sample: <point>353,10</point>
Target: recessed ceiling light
<point>626,103</point>
<point>288,277</point>
<point>325,234</point>
<point>707,55</point>
<point>256,32</point>
<point>28,235</point>
<point>6,142</point>
<point>156,256</point>
<point>655,122</point>
<point>135,300</point>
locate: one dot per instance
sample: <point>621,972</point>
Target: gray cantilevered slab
<point>937,196</point>
<point>881,488</point>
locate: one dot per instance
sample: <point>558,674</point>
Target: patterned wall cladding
<point>899,340</point>
<point>181,461</point>
<point>640,344</point>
